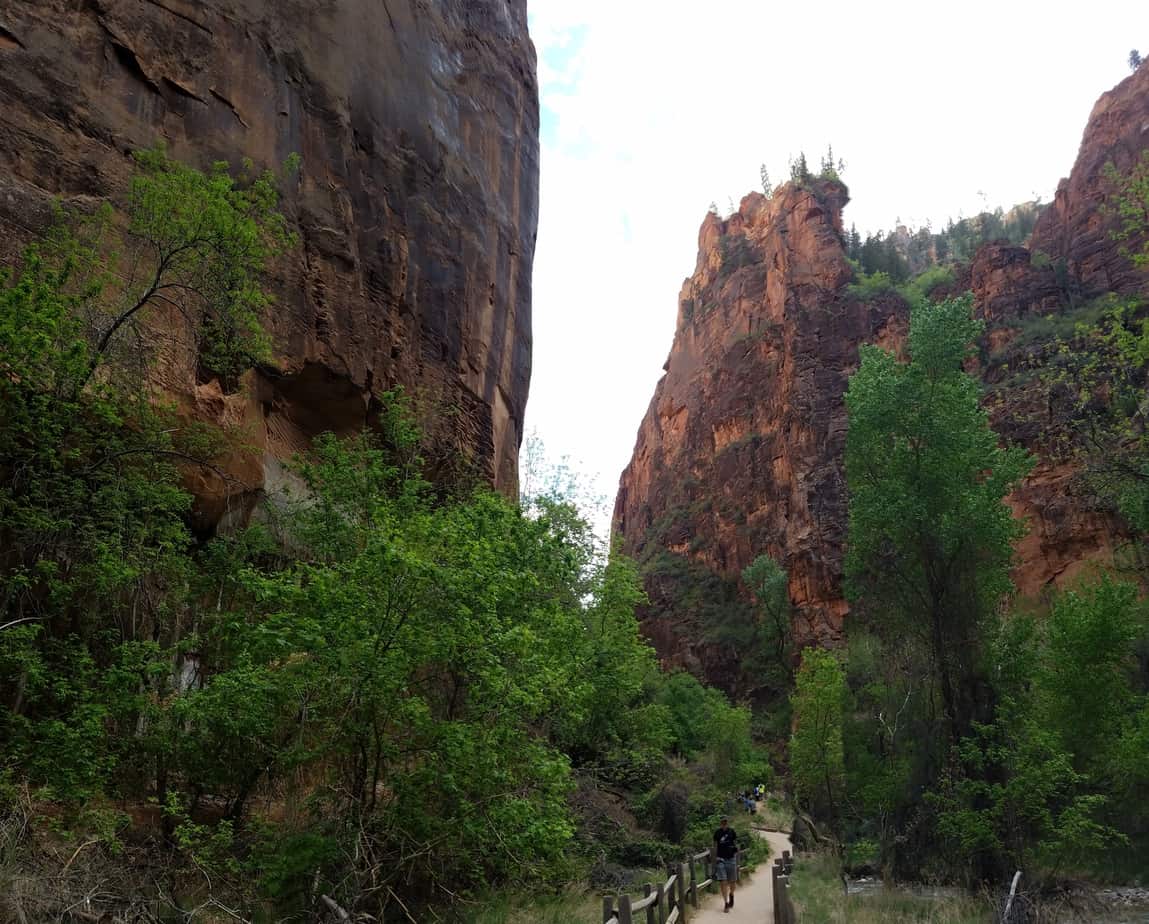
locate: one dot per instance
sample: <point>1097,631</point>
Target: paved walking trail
<point>754,896</point>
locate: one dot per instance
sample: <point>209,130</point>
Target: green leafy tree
<point>930,537</point>
<point>764,176</point>
<point>1131,208</point>
<point>1088,678</point>
<point>94,543</point>
<point>689,707</point>
<point>799,170</point>
<point>773,635</point>
<point>884,728</point>
<point>195,244</point>
<point>1048,775</point>
<point>1134,59</point>
<point>817,759</point>
<point>1097,390</point>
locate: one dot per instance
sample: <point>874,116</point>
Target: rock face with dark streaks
<point>417,124</point>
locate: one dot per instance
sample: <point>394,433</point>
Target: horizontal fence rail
<point>667,902</point>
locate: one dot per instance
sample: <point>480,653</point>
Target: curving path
<point>754,898</point>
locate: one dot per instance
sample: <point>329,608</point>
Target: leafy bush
<point>918,290</point>
<point>870,286</point>
<point>1050,328</point>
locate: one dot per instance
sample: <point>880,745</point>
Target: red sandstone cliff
<point>417,124</point>
<point>1076,226</point>
<point>741,450</point>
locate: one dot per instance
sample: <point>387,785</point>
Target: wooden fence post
<point>647,888</point>
<point>693,888</point>
<point>607,909</point>
<point>624,915</point>
<point>779,873</point>
<point>660,905</point>
<point>682,892</point>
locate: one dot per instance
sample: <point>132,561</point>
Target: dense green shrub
<point>918,290</point>
<point>870,286</point>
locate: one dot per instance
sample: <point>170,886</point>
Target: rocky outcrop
<point>1076,226</point>
<point>740,452</point>
<point>1007,286</point>
<point>417,125</point>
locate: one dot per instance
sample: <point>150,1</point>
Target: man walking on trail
<point>726,864</point>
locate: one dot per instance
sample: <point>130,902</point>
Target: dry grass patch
<point>819,899</point>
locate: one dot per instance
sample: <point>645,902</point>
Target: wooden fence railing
<point>667,902</point>
<point>783,903</point>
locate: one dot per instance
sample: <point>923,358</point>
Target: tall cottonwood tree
<point>772,637</point>
<point>930,536</point>
<point>817,756</point>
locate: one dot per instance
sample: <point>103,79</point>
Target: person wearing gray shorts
<point>726,861</point>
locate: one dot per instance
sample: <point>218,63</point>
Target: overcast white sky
<point>651,109</point>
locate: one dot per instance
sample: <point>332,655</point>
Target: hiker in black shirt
<point>725,866</point>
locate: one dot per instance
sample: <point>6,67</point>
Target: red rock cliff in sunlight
<point>741,450</point>
<point>417,125</point>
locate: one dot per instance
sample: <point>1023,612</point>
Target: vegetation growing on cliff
<point>1131,206</point>
<point>905,252</point>
<point>975,741</point>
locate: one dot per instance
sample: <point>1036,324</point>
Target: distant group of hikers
<point>751,797</point>
<point>726,846</point>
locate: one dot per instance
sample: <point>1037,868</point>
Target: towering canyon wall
<point>741,450</point>
<point>416,205</point>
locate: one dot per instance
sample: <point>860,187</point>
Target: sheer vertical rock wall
<point>416,205</point>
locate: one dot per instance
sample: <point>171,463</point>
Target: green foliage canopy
<point>817,758</point>
<point>930,537</point>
